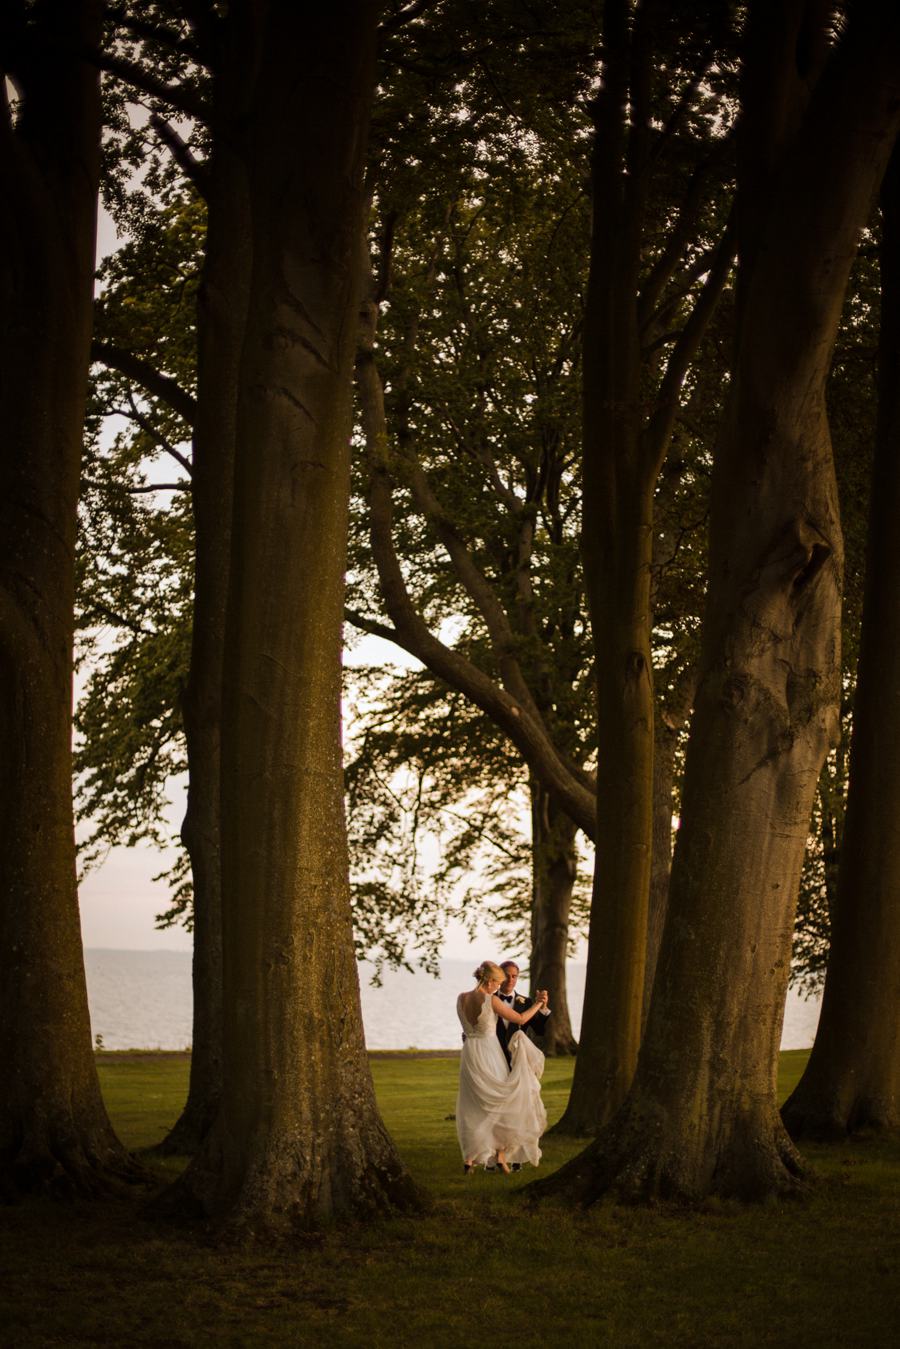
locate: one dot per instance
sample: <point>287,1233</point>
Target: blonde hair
<point>488,970</point>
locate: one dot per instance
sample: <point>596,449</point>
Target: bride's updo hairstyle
<point>488,970</point>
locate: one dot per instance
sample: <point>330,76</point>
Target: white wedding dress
<point>498,1107</point>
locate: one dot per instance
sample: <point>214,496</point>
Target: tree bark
<point>553,878</point>
<point>852,1078</point>
<point>616,544</point>
<point>298,1141</point>
<point>221,319</point>
<point>701,1116</point>
<point>54,1131</point>
<point>624,446</point>
<point>668,726</point>
<point>665,744</point>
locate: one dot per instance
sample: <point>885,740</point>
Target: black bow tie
<point>507,997</point>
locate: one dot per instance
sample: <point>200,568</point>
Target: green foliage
<point>135,546</point>
<point>480,239</point>
<point>160,43</point>
<point>480,224</point>
<point>433,798</point>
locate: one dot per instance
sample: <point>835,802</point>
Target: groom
<point>520,1002</point>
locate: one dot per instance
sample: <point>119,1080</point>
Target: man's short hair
<point>509,965</point>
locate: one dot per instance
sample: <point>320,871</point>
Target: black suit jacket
<point>507,1029</point>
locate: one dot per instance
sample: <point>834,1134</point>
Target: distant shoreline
<point>120,1054</point>
<point>123,1054</point>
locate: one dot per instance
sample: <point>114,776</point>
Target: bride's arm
<point>510,1014</point>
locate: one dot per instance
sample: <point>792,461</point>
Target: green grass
<point>818,1272</point>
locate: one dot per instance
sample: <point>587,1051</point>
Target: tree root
<point>283,1204</point>
<point>642,1160</point>
<point>186,1136</point>
<point>67,1170</point>
<point>826,1119</point>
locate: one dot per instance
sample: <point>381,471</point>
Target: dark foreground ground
<point>479,1269</point>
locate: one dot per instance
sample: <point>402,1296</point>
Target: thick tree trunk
<point>298,1141</point>
<point>624,445</point>
<point>54,1131</point>
<point>617,941</point>
<point>701,1116</point>
<point>221,319</point>
<point>616,544</point>
<point>554,863</point>
<point>852,1079</point>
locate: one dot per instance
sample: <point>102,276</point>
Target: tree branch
<point>192,168</point>
<point>103,610</point>
<point>135,491</point>
<point>131,72</point>
<point>668,261</point>
<point>516,718</point>
<point>479,590</point>
<point>142,372</point>
<point>658,431</point>
<point>146,31</point>
<point>373,627</point>
<point>682,107</point>
<point>517,723</point>
<point>155,434</point>
<point>404,15</point>
<point>161,487</point>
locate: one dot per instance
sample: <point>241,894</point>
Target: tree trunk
<point>701,1116</point>
<point>298,1140</point>
<point>616,544</point>
<point>221,319</point>
<point>54,1131</point>
<point>668,725</point>
<point>624,445</point>
<point>666,742</point>
<point>852,1079</point>
<point>553,878</point>
<point>617,940</point>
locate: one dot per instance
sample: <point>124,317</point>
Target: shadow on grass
<point>824,1272</point>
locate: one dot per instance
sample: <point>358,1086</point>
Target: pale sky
<point>120,900</point>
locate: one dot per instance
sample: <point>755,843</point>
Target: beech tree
<point>852,1078</point>
<point>475,442</point>
<point>552,682</point>
<point>819,120</point>
<point>54,1131</point>
<point>516,462</point>
<point>297,1140</point>
<point>852,403</point>
<point>640,339</point>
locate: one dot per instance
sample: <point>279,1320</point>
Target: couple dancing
<point>499,1112</point>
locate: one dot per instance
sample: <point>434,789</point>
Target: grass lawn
<point>820,1272</point>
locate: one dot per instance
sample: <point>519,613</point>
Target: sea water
<point>142,1000</point>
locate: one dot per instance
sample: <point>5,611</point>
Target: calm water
<point>142,1000</point>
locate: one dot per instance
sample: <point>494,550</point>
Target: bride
<point>499,1112</point>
